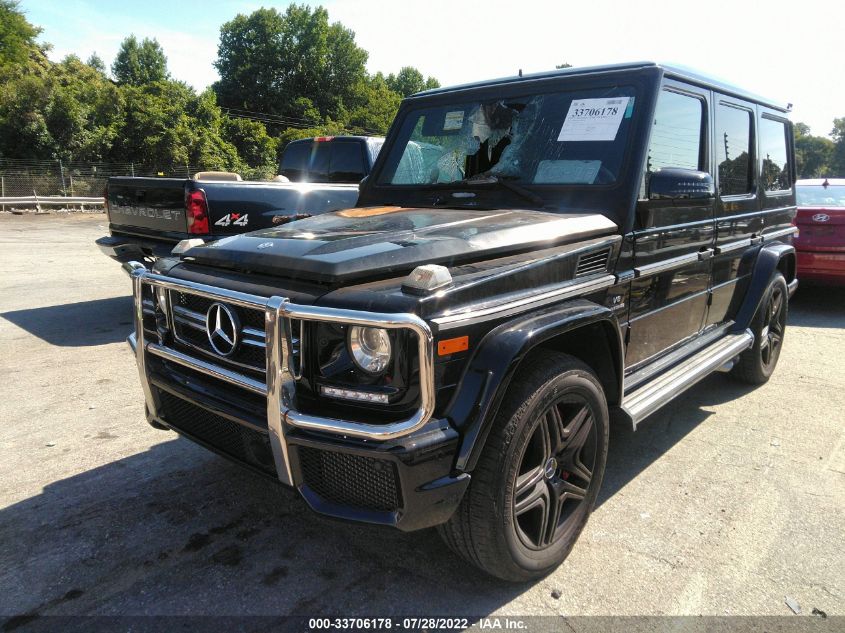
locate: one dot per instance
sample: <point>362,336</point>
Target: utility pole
<point>62,174</point>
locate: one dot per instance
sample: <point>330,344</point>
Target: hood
<point>374,242</point>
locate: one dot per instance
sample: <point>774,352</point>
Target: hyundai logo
<point>821,217</point>
<point>222,327</point>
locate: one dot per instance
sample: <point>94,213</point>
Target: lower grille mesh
<point>235,440</point>
<point>350,480</point>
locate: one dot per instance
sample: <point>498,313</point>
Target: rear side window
<point>318,166</point>
<point>347,163</point>
<point>323,161</point>
<point>775,168</point>
<point>676,138</point>
<point>295,161</point>
<point>734,150</point>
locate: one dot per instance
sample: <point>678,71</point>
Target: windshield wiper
<point>490,179</point>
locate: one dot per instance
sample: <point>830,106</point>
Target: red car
<point>821,220</point>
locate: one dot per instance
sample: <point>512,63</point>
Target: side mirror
<point>673,183</point>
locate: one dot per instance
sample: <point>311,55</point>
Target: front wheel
<point>538,476</point>
<point>756,364</point>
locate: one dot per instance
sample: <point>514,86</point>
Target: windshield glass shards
<point>564,138</point>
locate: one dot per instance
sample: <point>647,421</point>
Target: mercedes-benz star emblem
<point>222,327</point>
<point>821,217</point>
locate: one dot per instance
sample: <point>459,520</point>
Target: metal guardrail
<point>53,200</point>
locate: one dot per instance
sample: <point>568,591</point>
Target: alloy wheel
<point>772,334</point>
<point>555,472</point>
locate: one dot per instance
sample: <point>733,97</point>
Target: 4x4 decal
<point>233,218</point>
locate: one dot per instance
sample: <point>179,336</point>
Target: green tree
<point>268,62</point>
<point>255,147</point>
<point>377,105</point>
<point>17,35</point>
<point>68,111</point>
<point>96,62</point>
<point>812,153</point>
<point>168,126</point>
<point>563,65</point>
<point>837,159</point>
<point>139,63</point>
<point>329,128</point>
<point>409,81</point>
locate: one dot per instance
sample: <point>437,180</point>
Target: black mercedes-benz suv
<point>530,258</point>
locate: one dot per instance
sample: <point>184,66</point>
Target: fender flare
<point>489,371</point>
<point>768,261</point>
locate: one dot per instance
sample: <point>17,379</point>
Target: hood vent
<point>591,263</point>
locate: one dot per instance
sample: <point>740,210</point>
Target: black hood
<point>380,241</point>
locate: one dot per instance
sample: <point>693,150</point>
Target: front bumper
<point>397,474</point>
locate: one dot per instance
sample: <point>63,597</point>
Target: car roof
<point>819,182</point>
<point>671,70</point>
<point>348,137</point>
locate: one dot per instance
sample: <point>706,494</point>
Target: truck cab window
<point>295,161</point>
<point>347,163</point>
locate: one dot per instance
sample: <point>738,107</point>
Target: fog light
<point>350,394</point>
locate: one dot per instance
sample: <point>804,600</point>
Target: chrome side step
<point>645,400</point>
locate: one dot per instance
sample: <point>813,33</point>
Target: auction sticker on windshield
<point>593,119</point>
<point>454,120</point>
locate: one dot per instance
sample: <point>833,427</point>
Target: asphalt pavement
<point>726,502</point>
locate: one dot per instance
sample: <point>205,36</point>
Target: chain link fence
<point>57,178</point>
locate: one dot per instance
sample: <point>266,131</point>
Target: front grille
<point>189,322</point>
<point>590,263</point>
<point>351,480</point>
<point>235,440</point>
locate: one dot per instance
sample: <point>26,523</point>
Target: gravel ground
<point>723,503</point>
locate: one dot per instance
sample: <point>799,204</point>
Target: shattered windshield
<point>562,138</point>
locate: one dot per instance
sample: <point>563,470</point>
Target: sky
<point>784,51</point>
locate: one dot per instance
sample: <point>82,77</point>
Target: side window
<point>295,160</point>
<point>318,166</point>
<point>347,163</point>
<point>734,153</point>
<point>676,138</point>
<point>775,172</point>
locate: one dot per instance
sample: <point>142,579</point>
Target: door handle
<point>705,254</point>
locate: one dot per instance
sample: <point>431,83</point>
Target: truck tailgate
<point>156,204</point>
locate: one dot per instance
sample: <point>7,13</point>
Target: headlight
<point>370,348</point>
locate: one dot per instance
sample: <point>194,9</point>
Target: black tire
<point>756,364</point>
<point>555,408</point>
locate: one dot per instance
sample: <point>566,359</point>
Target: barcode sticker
<point>592,120</point>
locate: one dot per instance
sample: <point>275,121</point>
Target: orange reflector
<point>453,346</point>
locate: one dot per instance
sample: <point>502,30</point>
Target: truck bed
<point>147,216</point>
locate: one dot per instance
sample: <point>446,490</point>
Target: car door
<point>738,216</point>
<point>673,239</point>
